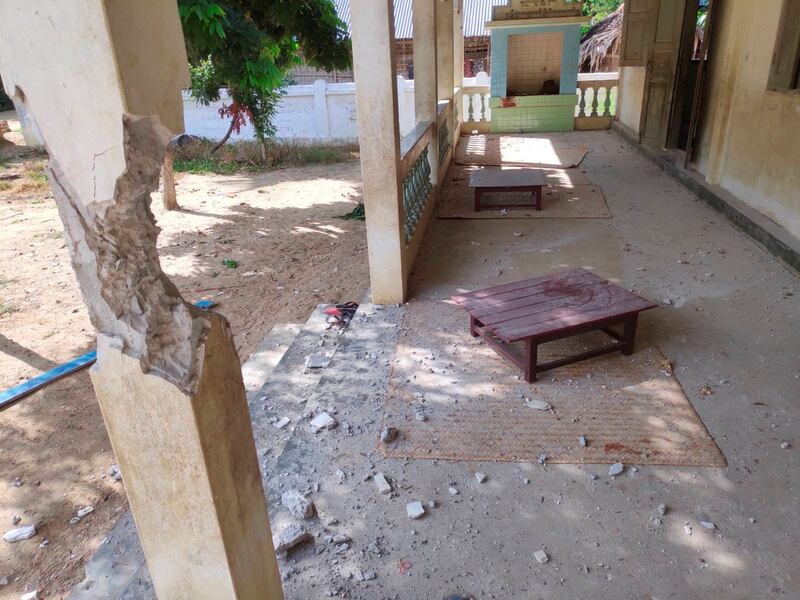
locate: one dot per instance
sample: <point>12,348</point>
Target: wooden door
<point>659,83</point>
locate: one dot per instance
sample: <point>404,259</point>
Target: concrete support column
<point>103,82</point>
<point>425,80</point>
<point>372,23</point>
<point>444,48</point>
<point>458,69</point>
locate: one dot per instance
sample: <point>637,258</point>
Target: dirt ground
<point>292,253</point>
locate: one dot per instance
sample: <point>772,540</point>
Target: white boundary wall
<point>321,113</point>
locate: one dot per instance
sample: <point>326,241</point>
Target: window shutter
<point>786,58</point>
<point>635,33</point>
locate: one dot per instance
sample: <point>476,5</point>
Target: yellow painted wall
<point>750,138</point>
<point>631,90</point>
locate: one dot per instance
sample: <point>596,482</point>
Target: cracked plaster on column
<point>112,245</point>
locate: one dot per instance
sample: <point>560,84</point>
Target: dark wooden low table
<point>491,181</point>
<point>544,309</point>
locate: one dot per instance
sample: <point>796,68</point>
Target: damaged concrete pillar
<point>425,82</point>
<point>103,81</point>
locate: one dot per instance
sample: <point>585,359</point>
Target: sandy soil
<point>292,253</point>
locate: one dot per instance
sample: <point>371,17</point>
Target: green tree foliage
<point>248,46</point>
<point>598,10</point>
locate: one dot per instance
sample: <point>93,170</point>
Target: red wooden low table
<point>491,181</point>
<point>544,309</point>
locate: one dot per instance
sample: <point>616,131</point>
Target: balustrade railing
<point>476,99</point>
<point>416,169</point>
<point>597,94</point>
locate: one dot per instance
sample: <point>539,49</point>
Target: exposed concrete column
<point>372,23</point>
<point>444,48</point>
<point>103,81</point>
<point>425,81</point>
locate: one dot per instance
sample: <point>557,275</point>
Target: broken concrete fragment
<point>688,529</point>
<point>480,477</point>
<point>389,434</point>
<point>542,459</point>
<point>384,487</point>
<point>317,361</point>
<point>34,595</point>
<point>86,510</point>
<point>452,491</point>
<point>415,510</point>
<point>708,525</point>
<point>662,509</point>
<point>538,404</point>
<point>115,473</point>
<point>19,534</point>
<point>366,575</point>
<point>290,537</point>
<point>297,504</point>
<point>785,445</point>
<point>283,422</point>
<point>616,469</point>
<point>541,556</point>
<point>341,475</point>
<point>582,441</point>
<point>323,421</point>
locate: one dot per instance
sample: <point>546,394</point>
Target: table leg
<point>473,324</point>
<point>629,334</point>
<point>477,199</point>
<point>531,358</point>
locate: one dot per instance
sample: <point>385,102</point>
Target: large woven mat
<point>568,194</point>
<point>629,408</point>
<point>512,149</point>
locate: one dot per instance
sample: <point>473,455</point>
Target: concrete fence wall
<point>320,113</point>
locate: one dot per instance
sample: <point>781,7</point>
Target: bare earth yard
<point>293,252</point>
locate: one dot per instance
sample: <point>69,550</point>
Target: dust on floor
<point>291,252</point>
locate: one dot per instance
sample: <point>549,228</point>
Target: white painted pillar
<point>372,23</point>
<point>425,81</point>
<point>444,48</point>
<point>458,66</point>
<point>322,126</point>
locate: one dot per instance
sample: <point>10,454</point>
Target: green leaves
<point>229,263</point>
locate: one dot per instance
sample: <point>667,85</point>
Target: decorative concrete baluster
<point>582,103</point>
<point>470,108</point>
<point>607,102</point>
<point>594,102</point>
<point>483,107</point>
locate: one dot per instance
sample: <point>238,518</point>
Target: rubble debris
<point>366,575</point>
<point>785,445</point>
<point>452,491</point>
<point>20,533</point>
<point>115,473</point>
<point>317,361</point>
<point>389,434</point>
<point>542,459</point>
<point>415,510</point>
<point>480,477</point>
<point>662,509</point>
<point>538,404</point>
<point>616,469</point>
<point>688,529</point>
<point>34,595</point>
<point>341,476</point>
<point>708,525</point>
<point>582,440</point>
<point>384,487</point>
<point>82,512</point>
<point>16,519</point>
<point>541,556</point>
<point>281,423</point>
<point>297,504</point>
<point>323,421</point>
<point>289,537</point>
